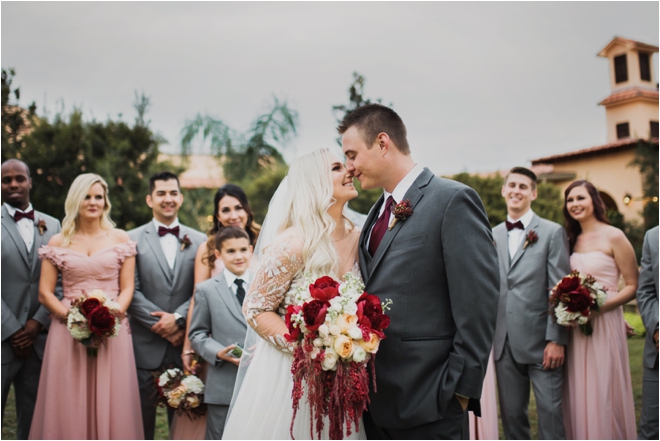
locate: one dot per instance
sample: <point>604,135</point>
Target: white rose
<point>193,384</point>
<point>330,360</point>
<point>335,304</point>
<point>97,294</point>
<point>355,333</point>
<point>350,308</point>
<point>323,331</point>
<point>328,342</point>
<point>163,379</point>
<point>359,355</point>
<point>318,342</point>
<point>334,330</point>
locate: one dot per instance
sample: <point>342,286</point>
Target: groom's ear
<point>383,142</point>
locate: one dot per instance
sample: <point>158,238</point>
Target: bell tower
<point>632,107</point>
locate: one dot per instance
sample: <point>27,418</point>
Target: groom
<point>439,267</point>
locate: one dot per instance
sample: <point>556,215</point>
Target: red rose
<point>578,300</point>
<point>89,305</point>
<point>568,284</point>
<point>294,333</point>
<point>314,314</point>
<point>324,289</point>
<point>370,314</point>
<point>101,321</point>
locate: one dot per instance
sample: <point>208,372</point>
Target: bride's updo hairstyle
<point>309,196</point>
<point>74,199</point>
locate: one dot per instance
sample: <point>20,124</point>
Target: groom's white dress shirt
<point>516,235</point>
<point>398,193</point>
<point>169,243</point>
<point>25,226</point>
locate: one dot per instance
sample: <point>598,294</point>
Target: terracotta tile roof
<point>632,44</point>
<point>630,94</point>
<point>621,144</point>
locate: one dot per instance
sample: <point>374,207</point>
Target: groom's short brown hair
<point>373,119</point>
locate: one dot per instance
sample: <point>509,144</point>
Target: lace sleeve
<point>281,263</point>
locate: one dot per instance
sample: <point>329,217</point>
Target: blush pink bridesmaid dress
<point>598,397</point>
<point>81,397</point>
<point>486,426</point>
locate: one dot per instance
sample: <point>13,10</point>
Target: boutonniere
<point>185,242</point>
<point>402,211</point>
<point>41,225</point>
<point>531,238</point>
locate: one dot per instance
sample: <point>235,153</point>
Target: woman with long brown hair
<point>598,400</point>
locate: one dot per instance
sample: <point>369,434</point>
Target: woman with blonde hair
<point>83,396</point>
<point>306,231</point>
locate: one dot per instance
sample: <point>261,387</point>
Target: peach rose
<point>193,401</point>
<point>346,321</point>
<point>370,346</point>
<point>175,396</point>
<point>343,346</point>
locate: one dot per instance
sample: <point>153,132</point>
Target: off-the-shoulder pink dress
<point>81,397</point>
<point>598,398</point>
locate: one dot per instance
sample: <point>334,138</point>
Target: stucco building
<point>631,111</point>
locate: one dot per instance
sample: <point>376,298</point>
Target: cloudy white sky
<point>480,86</point>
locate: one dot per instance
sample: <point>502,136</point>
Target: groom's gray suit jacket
<point>217,322</point>
<point>159,288</point>
<point>20,281</point>
<point>525,283</point>
<point>439,267</point>
<point>647,295</point>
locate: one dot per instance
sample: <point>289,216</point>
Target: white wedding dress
<point>262,407</point>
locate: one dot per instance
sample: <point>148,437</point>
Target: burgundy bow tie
<point>18,215</point>
<point>162,231</point>
<point>512,225</point>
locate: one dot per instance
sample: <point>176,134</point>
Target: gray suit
<point>20,302</point>
<point>217,322</point>
<point>524,328</point>
<point>647,302</point>
<point>158,288</point>
<point>439,267</point>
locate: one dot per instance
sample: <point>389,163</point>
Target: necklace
<point>343,237</point>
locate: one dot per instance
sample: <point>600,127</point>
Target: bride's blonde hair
<point>74,199</point>
<point>310,191</point>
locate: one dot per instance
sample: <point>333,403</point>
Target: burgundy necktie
<point>512,225</point>
<point>18,215</point>
<point>380,227</point>
<point>162,231</point>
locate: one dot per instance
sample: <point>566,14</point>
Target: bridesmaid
<point>231,208</point>
<point>598,398</point>
<point>486,426</point>
<point>82,397</point>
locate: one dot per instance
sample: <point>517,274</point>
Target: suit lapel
<point>502,243</point>
<point>180,255</point>
<point>533,225</point>
<point>153,240</point>
<point>414,194</point>
<point>38,239</point>
<point>9,224</point>
<point>229,298</point>
<point>365,257</point>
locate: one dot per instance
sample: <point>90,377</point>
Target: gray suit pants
<point>648,424</point>
<point>25,376</point>
<point>216,416</point>
<point>513,381</point>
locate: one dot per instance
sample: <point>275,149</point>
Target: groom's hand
<point>463,401</point>
<point>166,325</point>
<point>553,356</point>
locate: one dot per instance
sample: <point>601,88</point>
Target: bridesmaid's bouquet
<point>574,298</point>
<point>92,317</point>
<point>182,392</point>
<point>335,329</point>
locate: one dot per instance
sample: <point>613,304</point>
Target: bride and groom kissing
<point>437,263</point>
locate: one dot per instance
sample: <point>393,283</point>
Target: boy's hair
<point>229,233</point>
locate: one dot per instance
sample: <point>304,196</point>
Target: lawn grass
<point>635,350</point>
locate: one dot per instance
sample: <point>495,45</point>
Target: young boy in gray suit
<point>218,322</point>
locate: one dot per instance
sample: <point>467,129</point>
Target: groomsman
<point>528,346</point>
<point>647,302</point>
<point>164,282</point>
<point>24,321</point>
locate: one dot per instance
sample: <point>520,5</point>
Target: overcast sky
<point>480,86</point>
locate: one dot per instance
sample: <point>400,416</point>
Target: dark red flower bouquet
<point>573,299</point>
<point>91,318</point>
<point>335,329</point>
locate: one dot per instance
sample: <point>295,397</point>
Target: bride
<point>306,231</point>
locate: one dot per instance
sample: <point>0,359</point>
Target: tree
<point>125,156</point>
<point>366,198</point>
<point>245,156</point>
<point>16,121</point>
<point>261,189</point>
<point>646,158</point>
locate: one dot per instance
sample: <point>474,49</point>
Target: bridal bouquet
<point>335,329</point>
<point>92,317</point>
<point>573,299</point>
<point>182,392</point>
